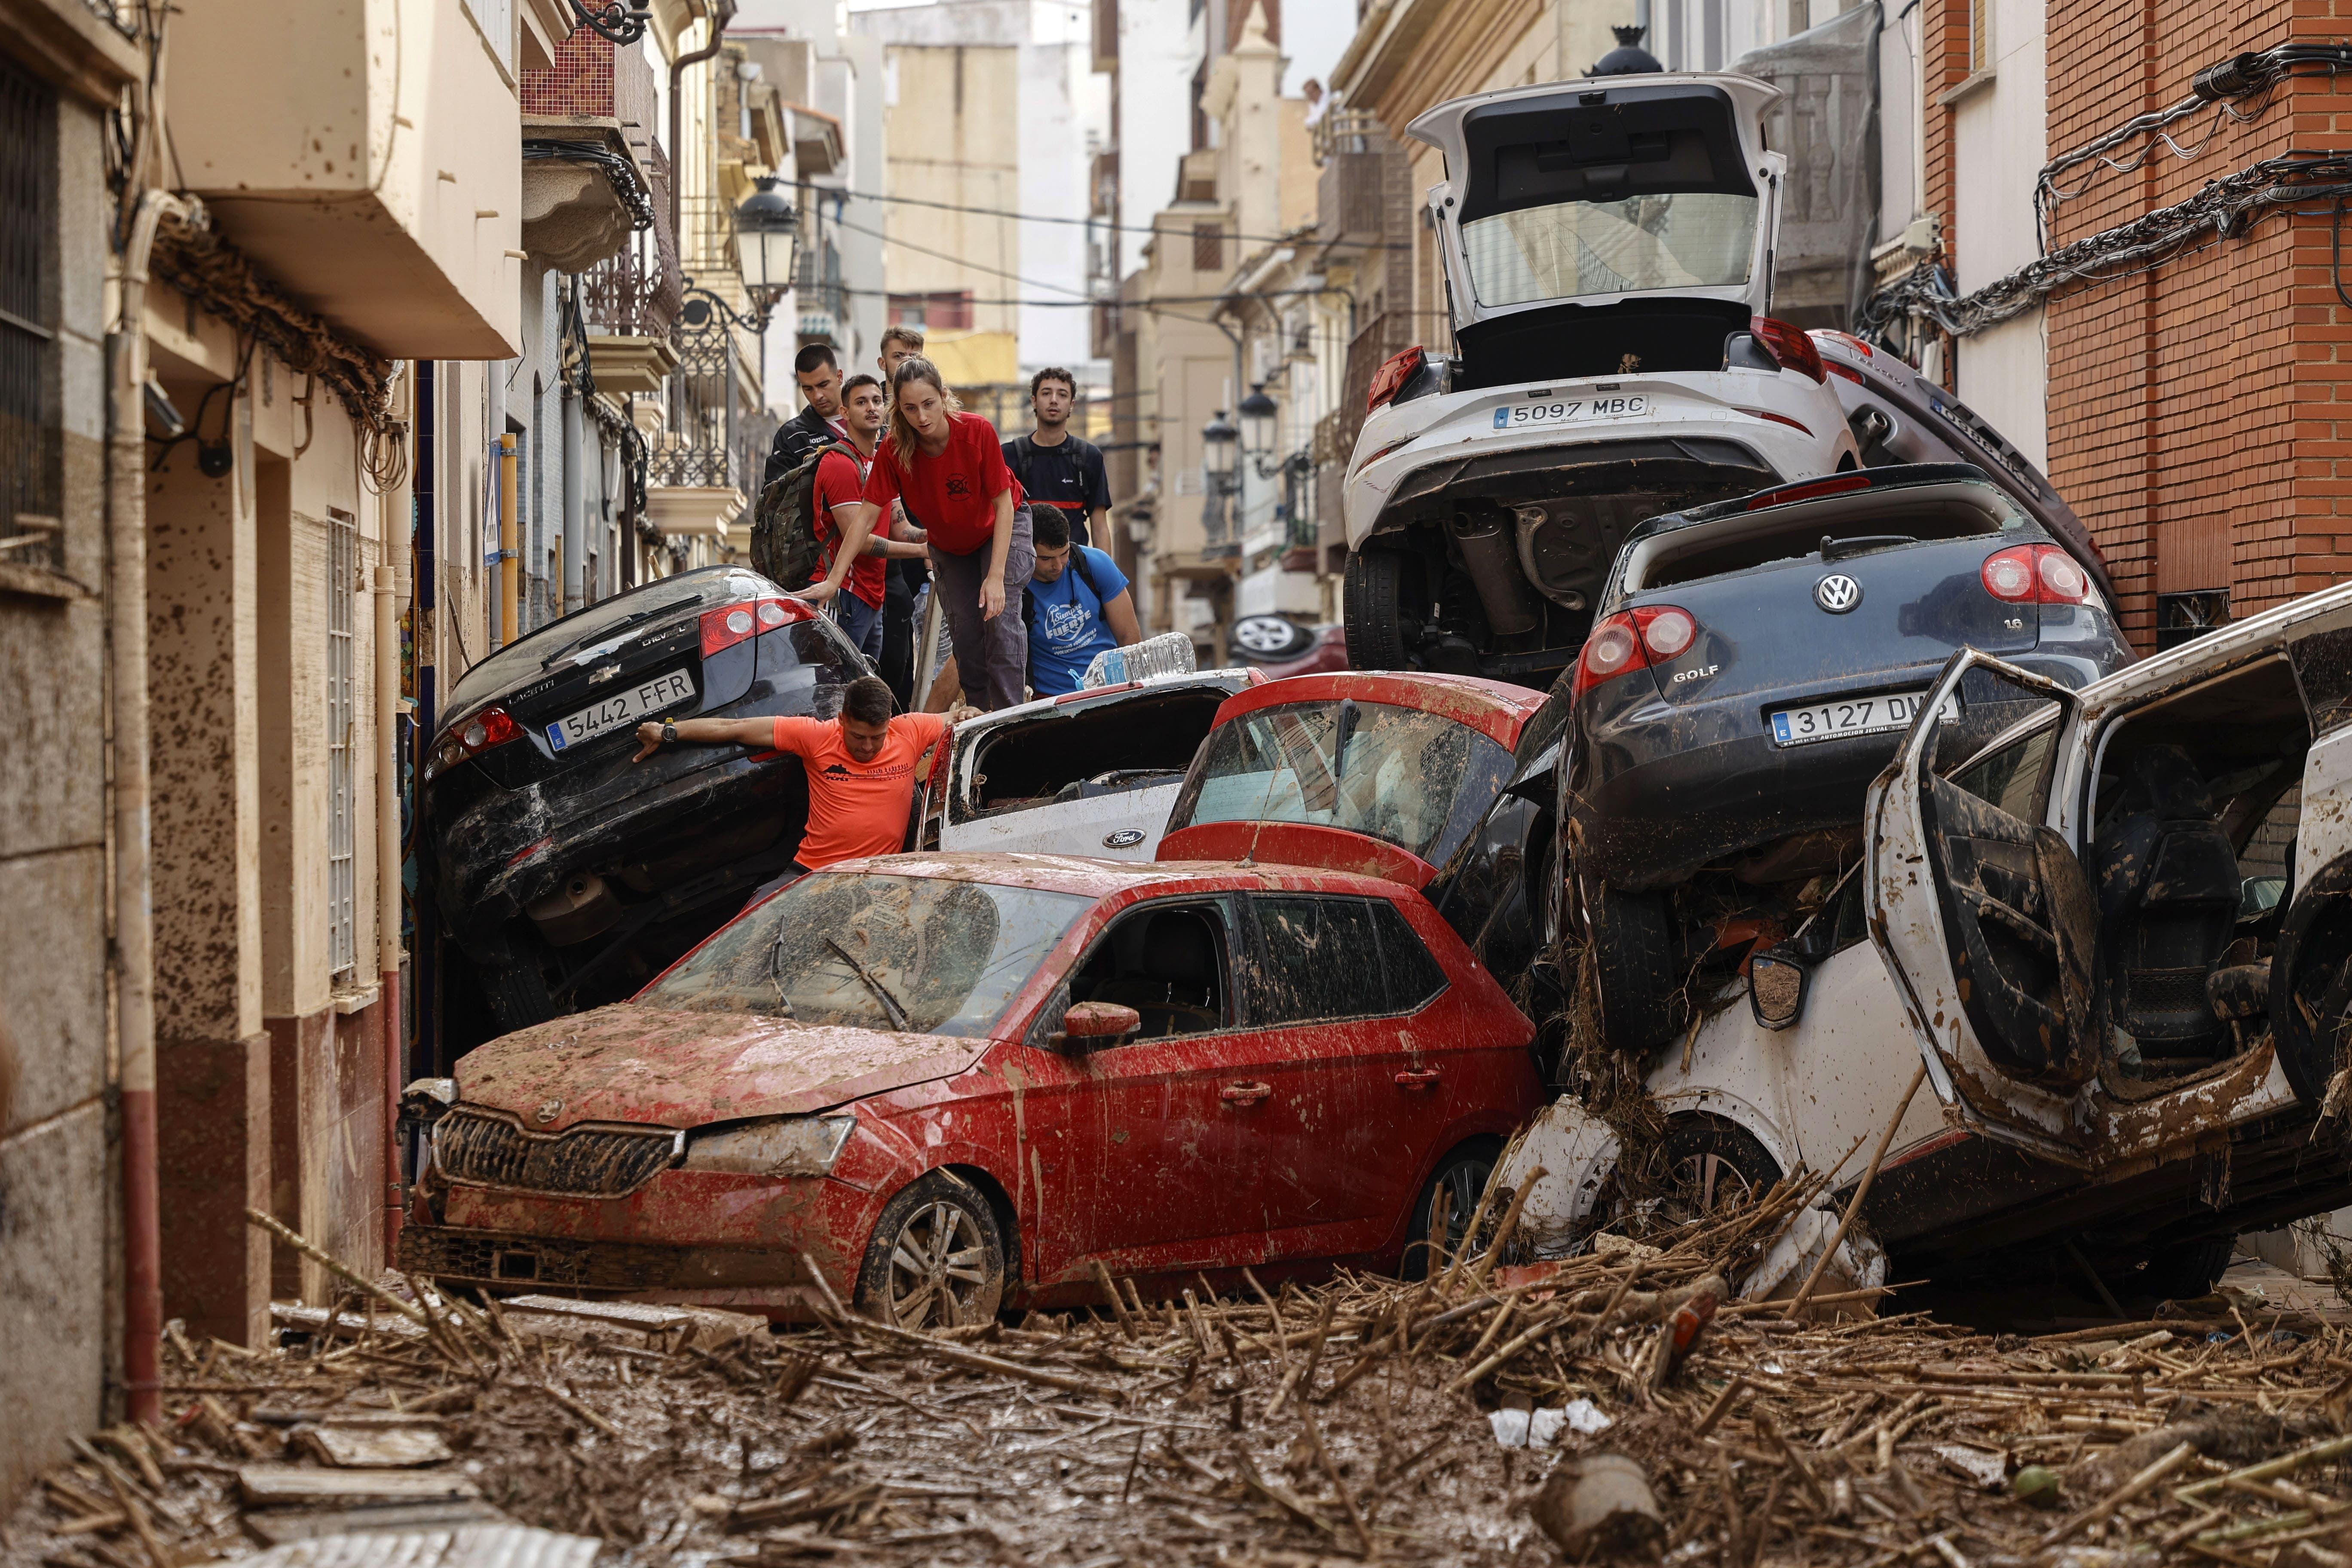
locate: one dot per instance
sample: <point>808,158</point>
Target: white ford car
<point>2119,937</point>
<point>1608,256</point>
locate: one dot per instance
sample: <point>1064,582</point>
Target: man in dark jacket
<point>818,372</point>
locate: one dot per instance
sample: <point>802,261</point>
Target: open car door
<point>1984,917</point>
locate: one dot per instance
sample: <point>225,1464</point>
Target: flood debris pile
<point>1612,1406</point>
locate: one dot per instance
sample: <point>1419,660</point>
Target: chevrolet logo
<point>598,676</point>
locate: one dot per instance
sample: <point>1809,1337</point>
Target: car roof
<point>1103,878</point>
<point>1496,709</point>
<point>1230,679</point>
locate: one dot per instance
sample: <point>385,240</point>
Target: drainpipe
<point>134,890</point>
<point>510,546</point>
<point>572,593</point>
<point>388,858</point>
<point>722,14</point>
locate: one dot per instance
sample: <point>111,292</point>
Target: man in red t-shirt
<point>861,769</point>
<point>854,573</point>
<point>950,469</point>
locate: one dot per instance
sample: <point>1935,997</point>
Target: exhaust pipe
<point>1492,560</point>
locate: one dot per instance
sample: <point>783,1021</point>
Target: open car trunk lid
<point>1633,216</point>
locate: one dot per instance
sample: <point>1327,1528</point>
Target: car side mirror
<point>1099,1023</point>
<point>1776,988</point>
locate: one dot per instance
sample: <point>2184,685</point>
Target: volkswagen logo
<point>1837,592</point>
<point>1125,838</point>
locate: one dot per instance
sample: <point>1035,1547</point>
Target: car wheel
<point>2188,1270</point>
<point>1701,1165</point>
<point>937,1259</point>
<point>1452,1191</point>
<point>1271,638</point>
<point>1381,605</point>
<point>1642,1000</point>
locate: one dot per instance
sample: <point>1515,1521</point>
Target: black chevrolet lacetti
<point>567,875</point>
<point>1751,666</point>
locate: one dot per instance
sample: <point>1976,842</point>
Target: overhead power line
<point>1183,232</point>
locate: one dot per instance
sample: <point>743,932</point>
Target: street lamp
<point>766,238</point>
<point>1258,414</point>
<point>1219,459</point>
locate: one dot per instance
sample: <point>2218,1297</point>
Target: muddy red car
<point>950,1084</point>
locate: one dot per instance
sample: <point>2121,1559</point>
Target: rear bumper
<point>1670,788</point>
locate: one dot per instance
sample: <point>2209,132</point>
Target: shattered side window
<point>914,955</point>
<point>1318,958</point>
<point>1393,773</point>
<point>2009,778</point>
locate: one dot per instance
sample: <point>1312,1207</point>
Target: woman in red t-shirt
<point>950,469</point>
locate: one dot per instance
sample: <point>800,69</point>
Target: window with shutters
<point>30,515</point>
<point>1208,248</point>
<point>343,583</point>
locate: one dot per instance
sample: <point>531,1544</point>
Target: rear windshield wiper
<point>1862,544</point>
<point>896,1014</point>
<point>631,619</point>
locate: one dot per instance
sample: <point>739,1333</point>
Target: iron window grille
<point>30,460</point>
<point>343,583</point>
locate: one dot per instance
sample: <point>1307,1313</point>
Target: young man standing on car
<point>818,372</point>
<point>1078,606</point>
<point>1056,468</point>
<point>856,563</point>
<point>861,767</point>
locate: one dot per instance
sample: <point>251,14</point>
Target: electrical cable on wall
<point>2224,86</point>
<point>2225,209</point>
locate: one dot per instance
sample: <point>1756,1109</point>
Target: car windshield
<point>1672,239</point>
<point>527,658</point>
<point>917,955</point>
<point>1395,774</point>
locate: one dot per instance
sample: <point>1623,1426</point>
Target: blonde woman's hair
<point>902,432</point>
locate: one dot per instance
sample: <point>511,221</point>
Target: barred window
<point>342,719</point>
<point>30,457</point>
<point>1208,248</point>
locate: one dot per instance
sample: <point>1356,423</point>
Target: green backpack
<point>784,544</point>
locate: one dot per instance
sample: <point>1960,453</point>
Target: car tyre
<point>1378,599</point>
<point>1642,1001</point>
<point>2188,1270</point>
<point>1459,1179</point>
<point>1270,638</point>
<point>937,1258</point>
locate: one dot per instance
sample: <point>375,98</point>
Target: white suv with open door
<point>1607,248</point>
<point>2120,936</point>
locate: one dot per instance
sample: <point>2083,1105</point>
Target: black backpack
<point>785,544</point>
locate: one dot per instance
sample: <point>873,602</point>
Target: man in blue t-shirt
<point>1076,604</point>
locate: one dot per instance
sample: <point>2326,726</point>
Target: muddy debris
<point>1590,1409</point>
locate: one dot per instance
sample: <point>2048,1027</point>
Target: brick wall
<point>581,83</point>
<point>2198,414</point>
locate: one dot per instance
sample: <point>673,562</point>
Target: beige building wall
<point>952,134</point>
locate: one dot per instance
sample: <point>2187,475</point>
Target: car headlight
<point>778,1146</point>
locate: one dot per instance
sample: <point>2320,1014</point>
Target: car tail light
<point>1820,334</point>
<point>1790,345</point>
<point>1839,486</point>
<point>2035,574</point>
<point>491,727</point>
<point>730,624</point>
<point>1394,371</point>
<point>1633,640</point>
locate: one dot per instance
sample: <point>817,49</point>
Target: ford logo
<point>1125,838</point>
<point>1837,592</point>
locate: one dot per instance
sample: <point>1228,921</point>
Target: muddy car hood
<point>627,1063</point>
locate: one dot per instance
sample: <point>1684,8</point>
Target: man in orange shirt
<point>861,769</point>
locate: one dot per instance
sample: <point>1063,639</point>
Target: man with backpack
<point>851,562</point>
<point>817,370</point>
<point>1077,605</point>
<point>1056,468</point>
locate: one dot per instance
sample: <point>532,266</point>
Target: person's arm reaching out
<point>852,518</point>
<point>759,732</point>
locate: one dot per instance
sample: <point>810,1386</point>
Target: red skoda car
<point>954,1083</point>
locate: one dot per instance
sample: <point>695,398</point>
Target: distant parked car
<point>1092,772</point>
<point>1608,250</point>
<point>567,875</point>
<point>1282,647</point>
<point>2118,936</point>
<point>1752,668</point>
<point>956,1083</point>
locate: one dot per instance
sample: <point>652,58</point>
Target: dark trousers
<point>992,657</point>
<point>897,659</point>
